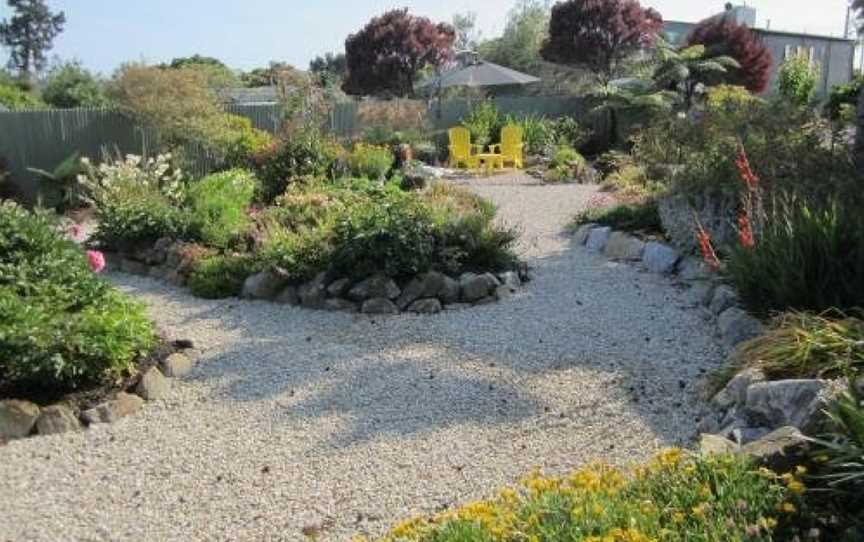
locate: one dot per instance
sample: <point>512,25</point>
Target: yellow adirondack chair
<point>461,149</point>
<point>511,146</point>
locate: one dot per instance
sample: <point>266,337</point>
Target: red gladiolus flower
<point>745,231</point>
<point>96,260</point>
<point>745,171</point>
<point>707,249</point>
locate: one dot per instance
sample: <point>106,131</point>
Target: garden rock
<point>264,285</point>
<point>153,385</point>
<point>736,326</point>
<point>486,301</point>
<point>339,287</point>
<point>476,287</point>
<point>735,392</point>
<point>524,271</point>
<point>598,237</point>
<point>158,253</point>
<point>660,258</point>
<point>798,403</point>
<point>111,411</point>
<point>133,267</point>
<point>379,305</point>
<point>338,304</point>
<point>716,445</point>
<point>510,279</point>
<point>700,293</point>
<point>288,296</point>
<point>17,418</point>
<point>313,295</point>
<point>780,451</point>
<point>450,291</point>
<point>426,306</point>
<point>724,297</point>
<point>582,233</point>
<point>378,286</point>
<point>430,284</point>
<point>57,419</point>
<point>504,292</point>
<point>693,269</point>
<point>176,366</point>
<point>624,247</point>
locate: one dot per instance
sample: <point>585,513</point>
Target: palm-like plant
<point>684,70</point>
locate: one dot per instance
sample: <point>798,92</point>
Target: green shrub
<point>219,277</point>
<point>129,225</point>
<point>672,498</point>
<point>843,95</point>
<point>566,156</point>
<point>13,97</point>
<point>483,122</point>
<point>302,254</point>
<point>642,217</point>
<point>61,327</point>
<point>306,152</point>
<point>803,345</point>
<point>538,132</point>
<point>805,258</point>
<point>218,206</point>
<point>370,161</point>
<point>568,132</point>
<point>797,80</point>
<point>243,141</point>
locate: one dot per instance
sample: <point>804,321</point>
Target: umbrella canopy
<point>479,73</point>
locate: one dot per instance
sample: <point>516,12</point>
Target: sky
<point>249,33</point>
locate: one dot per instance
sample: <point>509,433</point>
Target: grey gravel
<point>296,419</point>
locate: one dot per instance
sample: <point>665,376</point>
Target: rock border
<point>718,301</point>
<point>427,293</point>
<point>22,419</point>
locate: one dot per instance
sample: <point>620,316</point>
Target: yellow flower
<point>699,511</point>
<point>788,508</point>
<point>796,487</point>
<point>767,523</point>
<point>678,517</point>
<point>705,491</point>
<point>801,470</point>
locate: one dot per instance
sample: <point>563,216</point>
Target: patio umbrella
<point>475,72</point>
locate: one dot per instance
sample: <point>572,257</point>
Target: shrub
<point>243,141</point>
<point>483,122</point>
<point>305,153</point>
<point>70,85</point>
<point>61,327</point>
<point>219,277</point>
<point>843,95</point>
<point>567,131</point>
<point>13,97</point>
<point>126,225</point>
<point>804,345</point>
<point>538,133</point>
<point>642,217</point>
<point>797,80</point>
<point>805,258</point>
<point>672,498</point>
<point>370,161</point>
<point>301,254</point>
<point>218,206</point>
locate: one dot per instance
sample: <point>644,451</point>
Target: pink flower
<point>75,232</point>
<point>96,260</point>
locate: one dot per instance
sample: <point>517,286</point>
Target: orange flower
<point>707,248</point>
<point>744,170</point>
<point>745,231</point>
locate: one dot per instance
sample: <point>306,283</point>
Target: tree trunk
<point>859,133</point>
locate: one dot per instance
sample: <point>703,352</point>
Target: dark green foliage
<point>640,217</point>
<point>61,327</point>
<point>306,152</point>
<point>841,95</point>
<point>218,206</point>
<point>70,85</point>
<point>129,224</point>
<point>807,258</point>
<point>219,277</point>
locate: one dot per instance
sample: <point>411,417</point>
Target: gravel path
<point>341,424</point>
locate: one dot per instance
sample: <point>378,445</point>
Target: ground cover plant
<point>63,328</point>
<point>673,497</point>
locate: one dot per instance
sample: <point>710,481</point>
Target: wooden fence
<point>43,139</point>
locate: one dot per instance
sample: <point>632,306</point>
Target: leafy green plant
<point>674,497</point>
<point>483,122</point>
<point>64,179</point>
<point>242,141</point>
<point>805,258</point>
<point>797,80</point>
<point>218,206</point>
<point>221,276</point>
<point>370,161</point>
<point>568,132</point>
<point>61,327</point>
<point>15,98</point>
<point>804,345</point>
<point>538,132</point>
<point>305,153</point>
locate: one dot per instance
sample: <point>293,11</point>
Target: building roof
<point>249,96</point>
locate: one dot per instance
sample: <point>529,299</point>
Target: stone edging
<point>427,293</point>
<point>719,302</point>
<point>22,419</point>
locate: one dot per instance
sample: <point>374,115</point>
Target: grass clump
<point>221,276</point>
<point>674,497</point>
<point>639,217</point>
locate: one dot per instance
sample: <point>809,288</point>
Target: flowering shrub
<point>305,153</point>
<point>61,327</point>
<point>674,497</point>
<point>370,161</point>
<point>218,206</point>
<point>125,178</point>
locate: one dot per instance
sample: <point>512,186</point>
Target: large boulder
<point>700,293</point>
<point>582,233</point>
<point>337,304</point>
<point>377,286</point>
<point>476,287</point>
<point>781,451</point>
<point>176,365</point>
<point>724,297</point>
<point>451,291</point>
<point>124,404</point>
<point>339,287</point>
<point>693,269</point>
<point>737,326</point>
<point>153,385</point>
<point>379,305</point>
<point>797,403</point>
<point>431,284</point>
<point>313,294</point>
<point>716,213</point>
<point>17,418</point>
<point>288,296</point>
<point>598,237</point>
<point>660,258</point>
<point>735,392</point>
<point>429,305</point>
<point>264,285</point>
<point>716,445</point>
<point>624,247</point>
<point>57,419</point>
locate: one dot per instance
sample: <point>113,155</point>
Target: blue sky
<point>250,33</point>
